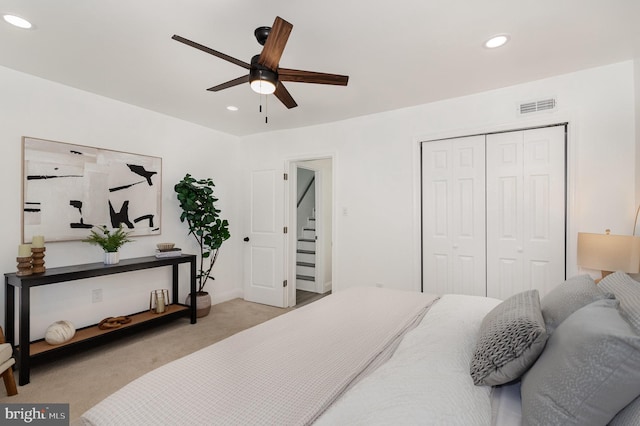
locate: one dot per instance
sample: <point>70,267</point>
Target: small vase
<point>111,257</point>
<point>203,303</point>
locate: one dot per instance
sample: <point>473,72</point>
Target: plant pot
<point>203,303</point>
<point>111,257</point>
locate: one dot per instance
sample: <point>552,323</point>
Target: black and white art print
<point>67,189</point>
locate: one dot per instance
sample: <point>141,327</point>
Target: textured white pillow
<point>589,370</point>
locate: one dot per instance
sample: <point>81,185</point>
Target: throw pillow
<point>630,415</point>
<point>567,298</point>
<point>511,338</point>
<point>589,370</point>
<point>627,291</point>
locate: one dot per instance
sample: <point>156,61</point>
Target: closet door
<point>453,216</point>
<point>525,211</point>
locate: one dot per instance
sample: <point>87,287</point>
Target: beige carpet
<point>84,379</point>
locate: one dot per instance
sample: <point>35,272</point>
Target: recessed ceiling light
<point>232,108</point>
<point>496,41</point>
<point>17,21</point>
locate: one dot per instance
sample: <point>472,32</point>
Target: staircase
<point>306,257</point>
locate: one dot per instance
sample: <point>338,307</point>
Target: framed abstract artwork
<point>67,189</point>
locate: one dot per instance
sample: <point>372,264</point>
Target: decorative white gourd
<point>59,332</point>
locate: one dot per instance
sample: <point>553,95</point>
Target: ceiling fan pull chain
<point>266,109</point>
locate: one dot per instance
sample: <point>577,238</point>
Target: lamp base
<point>604,274</point>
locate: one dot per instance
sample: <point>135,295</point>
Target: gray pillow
<point>589,370</point>
<point>630,415</point>
<point>567,298</point>
<point>511,338</point>
<point>627,291</point>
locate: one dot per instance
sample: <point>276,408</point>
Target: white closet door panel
<point>504,213</point>
<point>544,208</point>
<point>453,216</point>
<point>525,211</point>
<point>437,174</point>
<point>468,243</point>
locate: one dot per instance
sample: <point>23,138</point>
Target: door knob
<point>246,239</point>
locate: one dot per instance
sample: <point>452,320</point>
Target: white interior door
<point>264,251</point>
<point>453,221</point>
<point>525,211</point>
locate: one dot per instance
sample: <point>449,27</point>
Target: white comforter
<point>286,371</point>
<point>426,381</point>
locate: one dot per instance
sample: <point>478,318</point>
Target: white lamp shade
<point>609,252</point>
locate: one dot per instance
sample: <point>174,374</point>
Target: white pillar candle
<point>24,250</point>
<point>38,241</point>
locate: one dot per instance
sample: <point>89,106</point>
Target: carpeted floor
<point>85,379</point>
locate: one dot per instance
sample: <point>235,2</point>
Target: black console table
<point>27,351</point>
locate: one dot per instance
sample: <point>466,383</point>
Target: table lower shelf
<point>93,333</point>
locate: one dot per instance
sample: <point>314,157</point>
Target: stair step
<point>305,278</point>
<point>309,264</point>
<point>307,240</point>
<point>306,251</point>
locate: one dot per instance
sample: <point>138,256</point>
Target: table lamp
<point>609,253</point>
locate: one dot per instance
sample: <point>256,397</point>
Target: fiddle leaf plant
<point>210,231</point>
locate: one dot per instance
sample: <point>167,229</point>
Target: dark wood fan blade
<point>277,40</point>
<point>300,76</point>
<point>230,83</point>
<point>211,51</point>
<point>284,96</point>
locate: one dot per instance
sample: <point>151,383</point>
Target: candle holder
<point>158,301</point>
<point>37,254</point>
<point>24,266</point>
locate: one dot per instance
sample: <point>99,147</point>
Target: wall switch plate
<point>96,295</point>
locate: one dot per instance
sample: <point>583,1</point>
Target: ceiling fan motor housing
<point>261,34</point>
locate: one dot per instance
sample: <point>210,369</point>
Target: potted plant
<point>210,231</point>
<point>110,241</point>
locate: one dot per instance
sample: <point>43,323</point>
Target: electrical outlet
<point>96,295</point>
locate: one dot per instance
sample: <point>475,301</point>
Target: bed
<point>375,356</point>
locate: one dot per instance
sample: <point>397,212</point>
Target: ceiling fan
<point>265,74</point>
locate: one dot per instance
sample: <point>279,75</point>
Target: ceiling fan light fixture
<point>263,81</point>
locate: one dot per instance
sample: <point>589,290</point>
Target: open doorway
<point>311,216</point>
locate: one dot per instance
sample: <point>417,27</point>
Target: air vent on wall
<point>536,106</point>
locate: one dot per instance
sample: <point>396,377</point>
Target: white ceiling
<point>397,54</point>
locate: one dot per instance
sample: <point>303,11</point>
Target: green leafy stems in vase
<point>109,240</point>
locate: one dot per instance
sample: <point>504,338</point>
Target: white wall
<point>636,81</point>
<point>376,172</point>
<point>30,106</point>
<point>376,166</point>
